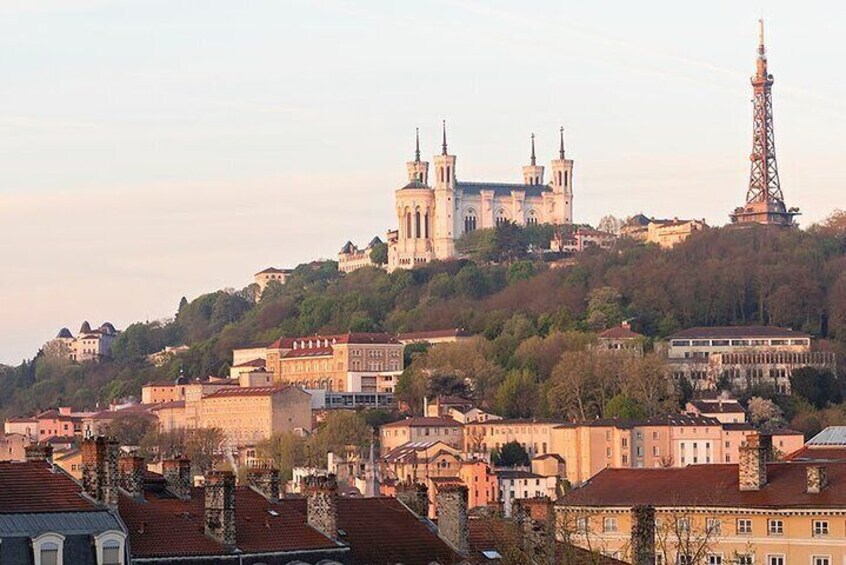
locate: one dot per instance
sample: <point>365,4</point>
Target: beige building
<point>264,278</point>
<point>581,240</point>
<point>431,217</point>
<point>351,362</point>
<point>742,356</point>
<point>751,512</point>
<point>250,415</point>
<point>420,429</point>
<point>88,345</point>
<point>351,258</point>
<point>434,337</point>
<point>419,461</point>
<point>13,446</point>
<point>620,338</point>
<point>665,233</point>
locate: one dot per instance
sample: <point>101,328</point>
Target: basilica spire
<point>444,146</point>
<point>533,160</point>
<point>561,148</point>
<point>417,145</point>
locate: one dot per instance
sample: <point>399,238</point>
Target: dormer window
<point>48,549</point>
<point>110,548</point>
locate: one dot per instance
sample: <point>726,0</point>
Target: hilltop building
<point>742,356</point>
<point>764,198</point>
<point>264,278</point>
<point>666,233</point>
<point>430,218</point>
<point>88,345</point>
<point>351,257</point>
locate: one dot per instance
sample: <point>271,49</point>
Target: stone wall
<point>220,507</point>
<point>452,516</point>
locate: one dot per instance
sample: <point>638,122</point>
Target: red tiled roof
<point>311,352</point>
<point>709,486</point>
<point>248,391</point>
<point>424,421</point>
<point>36,487</point>
<point>814,453</point>
<point>619,332</point>
<point>253,363</point>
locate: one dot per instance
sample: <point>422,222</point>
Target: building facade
<point>420,429</point>
<point>271,274</point>
<point>742,356</point>
<point>88,345</point>
<point>432,216</point>
<point>351,257</point>
<point>351,362</point>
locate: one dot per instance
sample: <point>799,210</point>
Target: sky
<point>151,149</point>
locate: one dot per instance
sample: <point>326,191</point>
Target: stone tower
<point>533,173</point>
<point>444,202</point>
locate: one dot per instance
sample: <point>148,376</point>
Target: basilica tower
<point>764,199</point>
<point>444,202</point>
<point>562,184</point>
<point>533,173</point>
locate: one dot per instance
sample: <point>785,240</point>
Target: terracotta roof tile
<point>37,487</point>
<point>619,332</point>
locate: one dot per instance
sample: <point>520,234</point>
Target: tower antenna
<point>533,160</point>
<point>444,146</point>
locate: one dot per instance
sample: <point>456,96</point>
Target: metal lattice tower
<point>764,198</point>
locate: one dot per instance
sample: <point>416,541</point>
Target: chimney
<point>220,507</point>
<point>132,469</point>
<point>177,473</point>
<point>817,479</point>
<point>266,481</point>
<point>322,506</point>
<point>39,452</point>
<point>100,469</point>
<point>752,468</point>
<point>537,533</point>
<point>451,502</point>
<point>643,535</point>
<point>414,496</point>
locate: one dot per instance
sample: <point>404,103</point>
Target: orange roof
<point>619,332</point>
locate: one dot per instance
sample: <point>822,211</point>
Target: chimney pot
<point>266,481</point>
<point>451,503</point>
<point>220,507</point>
<point>816,478</point>
<point>414,496</point>
<point>321,503</point>
<point>39,452</point>
<point>177,473</point>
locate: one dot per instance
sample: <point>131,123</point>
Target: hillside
<point>722,276</point>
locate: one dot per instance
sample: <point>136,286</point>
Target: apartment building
<point>351,362</point>
<point>751,512</point>
<point>742,356</point>
<point>420,429</point>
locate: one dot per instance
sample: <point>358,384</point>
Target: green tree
<point>379,253</point>
<point>521,271</point>
<point>285,450</point>
<point>625,408</point>
<point>339,431</point>
<point>518,395</point>
<point>512,454</point>
<point>820,387</point>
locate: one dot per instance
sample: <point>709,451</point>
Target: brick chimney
<point>643,535</point>
<point>752,468</point>
<point>415,496</point>
<point>39,452</point>
<point>177,473</point>
<point>266,481</point>
<point>220,507</point>
<point>131,468</point>
<point>322,506</point>
<point>535,517</point>
<point>100,469</point>
<point>816,478</point>
<point>451,502</point>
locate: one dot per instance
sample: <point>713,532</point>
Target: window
<point>820,527</point>
<point>582,525</point>
<point>713,526</point>
<point>47,549</point>
<point>821,560</point>
<point>745,559</point>
<point>715,559</point>
<point>609,524</point>
<point>684,559</point>
<point>775,527</point>
<point>775,559</point>
<point>744,526</point>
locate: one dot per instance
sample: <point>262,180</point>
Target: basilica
<point>431,217</point>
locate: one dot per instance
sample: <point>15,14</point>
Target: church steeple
<point>418,171</point>
<point>444,144</point>
<point>532,173</point>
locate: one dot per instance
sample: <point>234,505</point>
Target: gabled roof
<point>414,184</point>
<point>714,485</point>
<point>722,332</point>
<point>832,435</point>
<point>423,422</point>
<point>275,271</point>
<point>420,451</point>
<point>724,407</point>
<point>253,363</point>
<point>619,332</point>
<point>37,487</point>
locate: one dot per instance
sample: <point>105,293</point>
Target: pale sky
<point>154,149</point>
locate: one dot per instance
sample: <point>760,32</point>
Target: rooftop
<point>432,334</point>
<point>832,435</point>
<point>722,332</point>
<point>332,339</point>
<point>714,485</point>
<point>250,391</point>
<point>423,421</point>
<point>722,407</point>
<point>37,487</point>
<point>619,332</point>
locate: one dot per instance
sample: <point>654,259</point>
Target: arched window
<point>417,231</point>
<point>469,220</point>
<point>531,218</point>
<point>566,179</point>
<point>426,224</point>
<point>48,549</point>
<point>448,173</point>
<point>501,217</point>
<point>408,225</point>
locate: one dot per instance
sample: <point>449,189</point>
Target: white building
<point>430,218</point>
<point>88,345</point>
